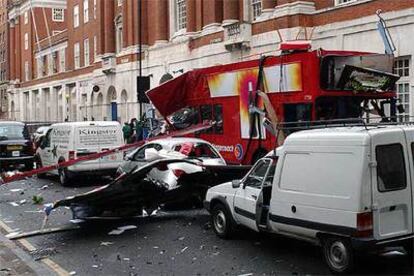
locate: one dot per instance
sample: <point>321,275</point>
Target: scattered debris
<point>16,190</point>
<point>184,249</point>
<point>39,254</point>
<point>181,238</point>
<point>126,259</point>
<point>37,199</point>
<point>12,235</point>
<point>72,273</point>
<point>247,274</point>
<point>23,201</point>
<point>76,221</point>
<point>18,235</point>
<point>14,204</point>
<point>106,243</point>
<point>95,266</point>
<point>122,229</point>
<point>44,187</point>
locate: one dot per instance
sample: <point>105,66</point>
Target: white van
<point>346,189</point>
<point>65,141</point>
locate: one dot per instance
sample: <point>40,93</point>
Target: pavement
<point>170,243</point>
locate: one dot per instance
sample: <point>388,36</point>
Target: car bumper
<point>362,244</point>
<point>16,159</point>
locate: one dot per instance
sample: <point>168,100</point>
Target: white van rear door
<point>392,195</point>
<point>88,142</point>
<point>110,137</point>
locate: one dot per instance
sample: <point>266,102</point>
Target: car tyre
<point>221,221</point>
<point>64,177</point>
<point>339,255</point>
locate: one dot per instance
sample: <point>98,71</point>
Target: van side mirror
<point>236,183</point>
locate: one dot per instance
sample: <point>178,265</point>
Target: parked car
<point>65,141</point>
<point>201,150</point>
<point>346,189</point>
<point>16,149</point>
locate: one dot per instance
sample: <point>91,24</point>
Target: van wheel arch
<point>338,253</point>
<point>64,176</point>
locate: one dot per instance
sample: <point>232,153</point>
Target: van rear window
<point>391,173</point>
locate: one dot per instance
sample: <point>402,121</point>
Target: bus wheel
<point>259,153</point>
<point>338,254</point>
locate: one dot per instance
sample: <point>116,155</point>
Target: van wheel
<point>221,221</point>
<point>63,177</point>
<point>338,255</point>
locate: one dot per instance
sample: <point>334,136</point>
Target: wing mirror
<point>236,183</point>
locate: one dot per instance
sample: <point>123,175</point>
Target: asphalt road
<point>179,242</point>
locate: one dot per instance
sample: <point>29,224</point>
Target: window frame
<point>253,169</point>
<point>86,52</point>
<point>256,7</point>
<point>76,55</point>
<point>180,15</point>
<point>404,168</point>
<point>76,19</point>
<point>56,11</point>
<point>85,11</point>
<point>62,60</point>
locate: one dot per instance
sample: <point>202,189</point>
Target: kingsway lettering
<point>97,131</point>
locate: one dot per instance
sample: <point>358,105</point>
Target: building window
<point>85,11</point>
<point>58,15</point>
<point>26,71</point>
<point>95,47</point>
<point>119,34</point>
<point>50,64</point>
<point>55,61</point>
<point>94,9</point>
<point>26,41</point>
<point>340,2</point>
<point>402,68</point>
<point>86,51</point>
<point>76,16</point>
<point>76,55</point>
<point>181,15</point>
<point>62,60</point>
<point>120,2</point>
<point>26,17</point>
<point>256,8</point>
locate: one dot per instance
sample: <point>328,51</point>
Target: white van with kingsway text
<point>66,141</point>
<point>347,189</point>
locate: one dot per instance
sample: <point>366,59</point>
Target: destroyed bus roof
<point>176,93</point>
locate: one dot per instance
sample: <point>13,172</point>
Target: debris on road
<point>16,190</point>
<point>18,235</point>
<point>121,229</point>
<point>106,243</point>
<point>37,199</point>
<point>39,254</point>
<point>14,204</point>
<point>184,249</point>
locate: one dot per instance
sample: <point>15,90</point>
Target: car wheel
<point>409,248</point>
<point>338,255</point>
<point>39,165</point>
<point>221,221</point>
<point>64,177</point>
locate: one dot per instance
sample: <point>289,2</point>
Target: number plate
<point>16,153</point>
<point>14,147</point>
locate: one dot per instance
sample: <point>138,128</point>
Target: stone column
<point>230,11</point>
<point>157,21</point>
<point>191,16</point>
<point>212,14</point>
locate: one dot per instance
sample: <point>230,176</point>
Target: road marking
<point>28,246</point>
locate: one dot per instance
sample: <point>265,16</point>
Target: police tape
<point>4,179</point>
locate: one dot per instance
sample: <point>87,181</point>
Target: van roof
<point>87,123</point>
<point>11,123</point>
<point>343,136</point>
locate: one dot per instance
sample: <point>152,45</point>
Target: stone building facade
<point>78,59</point>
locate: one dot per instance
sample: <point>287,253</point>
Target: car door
<point>46,151</point>
<point>391,189</point>
<point>247,194</point>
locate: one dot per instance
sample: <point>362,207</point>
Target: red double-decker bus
<point>303,85</point>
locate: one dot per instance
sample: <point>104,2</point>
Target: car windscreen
<point>13,132</point>
<point>358,73</point>
<point>200,150</point>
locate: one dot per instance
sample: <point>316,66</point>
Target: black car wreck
<point>152,186</point>
<point>16,148</point>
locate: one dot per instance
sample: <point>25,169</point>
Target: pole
<point>140,50</point>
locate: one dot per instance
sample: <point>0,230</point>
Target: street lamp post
<point>140,50</point>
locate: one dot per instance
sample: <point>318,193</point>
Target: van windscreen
<point>391,173</point>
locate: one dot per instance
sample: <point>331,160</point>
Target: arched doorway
<point>124,106</point>
<point>111,101</point>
